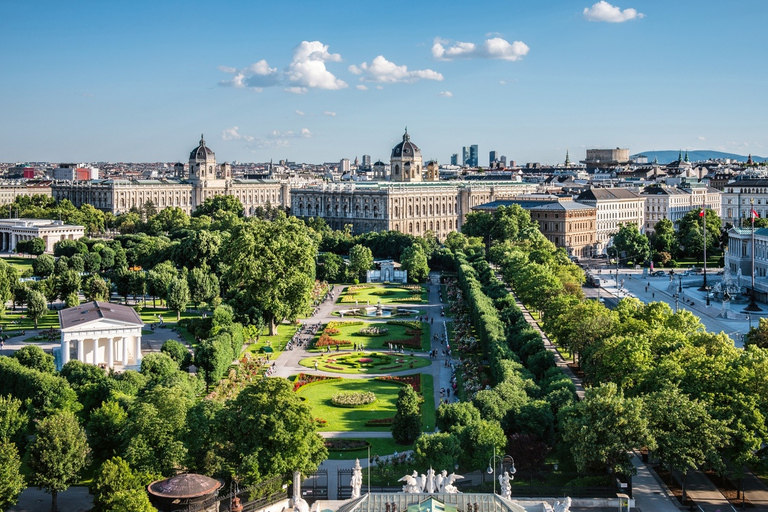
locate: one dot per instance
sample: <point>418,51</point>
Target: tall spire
<point>567,159</point>
<point>686,155</point>
<point>680,156</point>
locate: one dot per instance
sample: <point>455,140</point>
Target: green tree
<point>406,426</point>
<point>479,441</point>
<point>13,420</point>
<point>603,428</point>
<point>440,450</point>
<point>96,288</point>
<point>269,432</point>
<point>43,265</point>
<point>177,352</point>
<point>58,454</point>
<point>758,336</point>
<point>686,435</point>
<point>106,429</point>
<point>112,486</point>
<point>92,262</point>
<point>271,269</point>
<point>415,262</point>
<point>158,366</point>
<point>34,357</point>
<point>159,278</point>
<point>360,260</point>
<point>630,244</point>
<point>217,205</point>
<point>203,286</point>
<point>178,295</point>
<point>329,267</point>
<point>663,238</point>
<point>68,282</point>
<point>213,356</point>
<point>11,479</point>
<point>690,232</point>
<point>37,306</point>
<point>107,258</point>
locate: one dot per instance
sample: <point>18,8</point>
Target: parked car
<point>658,273</point>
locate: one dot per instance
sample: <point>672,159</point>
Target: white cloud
<point>700,137</point>
<point>299,113</point>
<point>445,94</point>
<point>493,48</point>
<point>234,134</point>
<point>290,134</point>
<point>603,11</point>
<point>383,71</point>
<point>361,87</point>
<point>306,71</point>
<point>329,113</point>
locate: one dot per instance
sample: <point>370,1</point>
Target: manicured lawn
<point>350,332</point>
<point>387,294</point>
<point>284,334</point>
<point>380,446</point>
<point>318,396</point>
<point>365,362</point>
<point>13,322</point>
<point>21,264</point>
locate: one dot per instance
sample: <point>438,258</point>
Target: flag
<point>754,214</point>
<point>703,209</point>
<point>701,213</point>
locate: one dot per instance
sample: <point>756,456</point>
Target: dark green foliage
<point>35,358</point>
<point>158,366</point>
<point>406,426</point>
<point>440,450</point>
<point>47,393</point>
<point>178,352</point>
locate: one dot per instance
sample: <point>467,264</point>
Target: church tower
<point>433,171</point>
<point>405,162</point>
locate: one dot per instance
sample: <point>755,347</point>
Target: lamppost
<point>704,222</point>
<point>492,466</point>
<point>680,280</point>
<point>706,290</point>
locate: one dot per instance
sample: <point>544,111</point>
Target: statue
<point>448,486</point>
<point>413,483</point>
<point>430,483</point>
<point>563,506</point>
<point>357,479</point>
<point>506,486</point>
<point>439,479</point>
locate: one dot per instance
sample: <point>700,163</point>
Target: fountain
<point>378,308</point>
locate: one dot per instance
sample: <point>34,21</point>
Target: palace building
<point>206,179</point>
<point>406,203</point>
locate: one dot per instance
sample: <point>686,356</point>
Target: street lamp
<point>680,280</point>
<point>502,459</point>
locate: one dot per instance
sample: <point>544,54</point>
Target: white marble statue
<point>439,480</point>
<point>413,483</point>
<point>448,486</point>
<point>506,486</point>
<point>430,484</point>
<point>357,479</point>
<point>563,506</point>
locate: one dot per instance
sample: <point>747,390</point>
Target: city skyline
<point>315,83</point>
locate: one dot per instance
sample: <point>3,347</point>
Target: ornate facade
<point>206,179</point>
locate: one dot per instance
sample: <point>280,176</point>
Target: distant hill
<point>665,157</point>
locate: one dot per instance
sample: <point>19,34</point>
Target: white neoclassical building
<point>13,231</point>
<point>104,334</point>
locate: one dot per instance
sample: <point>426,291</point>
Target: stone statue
<point>563,506</point>
<point>430,484</point>
<point>506,486</point>
<point>299,504</point>
<point>413,483</point>
<point>357,479</point>
<point>448,486</point>
<point>439,479</point>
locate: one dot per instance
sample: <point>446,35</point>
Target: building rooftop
<point>92,311</point>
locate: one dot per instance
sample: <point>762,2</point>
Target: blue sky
<point>324,80</point>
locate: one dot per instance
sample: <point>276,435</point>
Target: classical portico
<point>101,333</point>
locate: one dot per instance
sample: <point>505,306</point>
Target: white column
<point>138,348</point>
<point>95,351</point>
<point>80,351</point>
<point>110,353</point>
<point>64,352</point>
<point>125,351</point>
<point>13,241</point>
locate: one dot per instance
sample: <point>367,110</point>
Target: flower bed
<point>330,331</point>
<point>303,379</point>
<point>412,342</point>
<point>373,331</point>
<point>381,422</point>
<point>340,445</point>
<point>365,360</point>
<point>324,340</point>
<point>413,380</point>
<point>353,399</point>
<point>333,324</point>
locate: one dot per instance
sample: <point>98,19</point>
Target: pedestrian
<point>315,365</point>
<point>653,295</point>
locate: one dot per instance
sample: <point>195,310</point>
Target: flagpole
<point>752,304</point>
